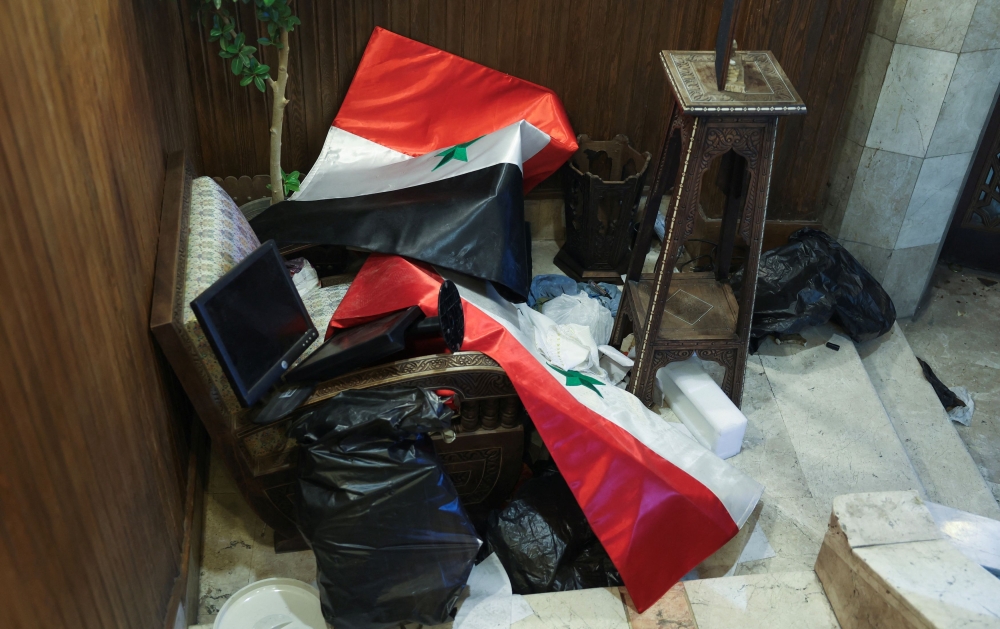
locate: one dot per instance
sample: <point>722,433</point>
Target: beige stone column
<point>927,77</point>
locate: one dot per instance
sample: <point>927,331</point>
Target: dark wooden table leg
<point>731,214</point>
<point>666,172</point>
<point>680,222</point>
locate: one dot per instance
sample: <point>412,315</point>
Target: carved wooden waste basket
<point>602,184</point>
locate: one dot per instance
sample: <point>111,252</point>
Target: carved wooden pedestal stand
<point>674,316</point>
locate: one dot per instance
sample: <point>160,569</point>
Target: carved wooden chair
<point>203,234</point>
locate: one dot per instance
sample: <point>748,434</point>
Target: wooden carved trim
<point>983,213</point>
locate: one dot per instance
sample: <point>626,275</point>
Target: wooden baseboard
<point>182,607</point>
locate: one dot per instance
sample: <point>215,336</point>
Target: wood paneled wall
<point>95,437</point>
<point>600,56</point>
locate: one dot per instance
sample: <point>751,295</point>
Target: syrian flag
<point>659,502</point>
<point>428,158</point>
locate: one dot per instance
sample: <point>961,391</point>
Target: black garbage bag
<point>945,395</point>
<point>812,280</point>
<point>544,541</point>
<point>393,543</point>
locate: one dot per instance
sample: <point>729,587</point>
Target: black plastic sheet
<point>471,223</point>
<point>812,280</point>
<point>946,396</point>
<point>544,541</point>
<point>393,543</point>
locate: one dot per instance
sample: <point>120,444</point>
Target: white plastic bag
<point>962,414</point>
<point>567,346</point>
<point>581,310</point>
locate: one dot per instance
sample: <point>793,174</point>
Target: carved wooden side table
<point>675,315</point>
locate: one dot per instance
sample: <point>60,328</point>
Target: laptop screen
<point>255,322</point>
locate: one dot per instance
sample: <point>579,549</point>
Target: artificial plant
<point>277,15</point>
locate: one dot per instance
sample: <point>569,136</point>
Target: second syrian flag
<point>429,157</point>
<point>659,502</point>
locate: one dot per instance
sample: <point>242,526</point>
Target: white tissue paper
<point>491,603</point>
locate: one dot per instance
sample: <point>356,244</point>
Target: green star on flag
<point>455,152</point>
<point>577,379</point>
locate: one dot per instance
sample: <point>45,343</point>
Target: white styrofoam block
<point>702,406</point>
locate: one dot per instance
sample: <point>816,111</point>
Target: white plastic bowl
<point>272,604</point>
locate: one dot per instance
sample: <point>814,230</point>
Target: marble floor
<point>956,334</point>
<point>237,547</point>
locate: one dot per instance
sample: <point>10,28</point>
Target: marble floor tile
<point>842,437</point>
<point>967,104</point>
<point>874,61</point>
<point>984,31</point>
<point>265,563</point>
<point>598,608</point>
<point>886,16</point>
<point>542,254</point>
<point>220,481</point>
<point>914,89</point>
<point>227,551</point>
<point>946,470</point>
<point>955,334</point>
<point>937,24</point>
<point>791,518</point>
<point>933,199</point>
<point>772,601</point>
<point>879,198</point>
<point>673,611</point>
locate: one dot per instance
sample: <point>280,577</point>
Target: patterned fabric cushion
<point>218,238</point>
<point>320,304</point>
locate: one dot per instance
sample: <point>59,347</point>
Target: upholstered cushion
<point>320,304</point>
<point>218,237</point>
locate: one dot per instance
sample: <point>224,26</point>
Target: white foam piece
<point>702,406</point>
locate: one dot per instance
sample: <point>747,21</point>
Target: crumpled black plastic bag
<point>393,543</point>
<point>812,280</point>
<point>544,541</point>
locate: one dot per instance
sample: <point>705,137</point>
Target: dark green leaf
<point>225,55</point>
<point>263,41</point>
<point>262,69</point>
<point>218,4</point>
<point>259,82</point>
<point>215,32</point>
<point>294,21</point>
<point>240,39</point>
<point>228,28</point>
<point>246,80</point>
<point>247,50</point>
<point>237,65</point>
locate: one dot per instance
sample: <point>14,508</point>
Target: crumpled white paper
<point>491,603</point>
